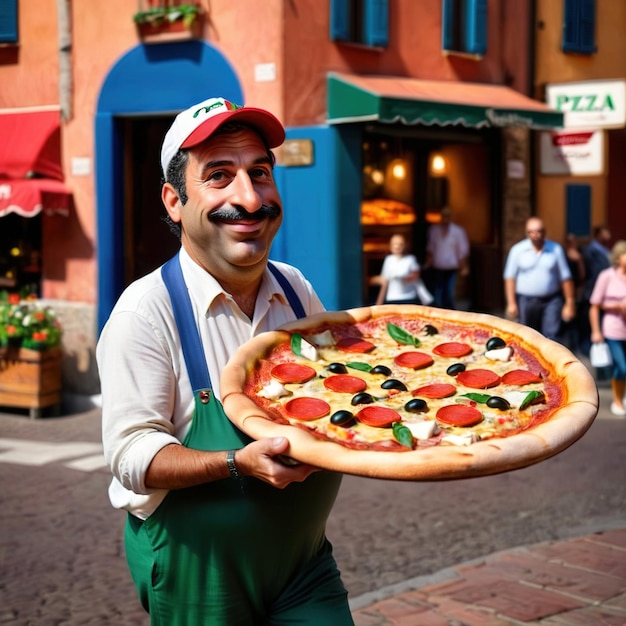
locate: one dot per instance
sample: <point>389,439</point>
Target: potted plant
<point>30,355</point>
<point>165,20</point>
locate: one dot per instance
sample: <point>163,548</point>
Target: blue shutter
<point>447,24</point>
<point>339,20</point>
<point>587,26</point>
<point>578,210</point>
<point>579,26</point>
<point>476,26</point>
<point>8,21</point>
<point>376,23</point>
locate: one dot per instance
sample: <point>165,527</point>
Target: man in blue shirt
<point>538,283</point>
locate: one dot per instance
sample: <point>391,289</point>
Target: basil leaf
<point>357,365</point>
<point>481,398</point>
<point>402,434</point>
<point>531,398</point>
<point>296,344</point>
<point>402,336</point>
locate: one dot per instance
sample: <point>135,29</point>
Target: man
<point>219,530</point>
<point>596,256</point>
<point>447,255</point>
<point>537,282</point>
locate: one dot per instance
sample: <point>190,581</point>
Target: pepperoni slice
<point>344,383</point>
<point>414,359</point>
<point>453,349</point>
<point>478,379</point>
<point>378,416</point>
<point>292,372</point>
<point>307,408</point>
<point>459,415</point>
<point>435,390</point>
<point>520,377</point>
<point>354,344</point>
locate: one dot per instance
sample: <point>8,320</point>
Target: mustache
<point>237,213</point>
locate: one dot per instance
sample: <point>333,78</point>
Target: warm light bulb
<point>399,171</point>
<point>377,177</point>
<point>438,164</point>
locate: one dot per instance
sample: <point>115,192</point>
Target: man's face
<point>233,209</point>
<point>536,232</point>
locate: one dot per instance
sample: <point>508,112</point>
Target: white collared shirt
<point>147,400</point>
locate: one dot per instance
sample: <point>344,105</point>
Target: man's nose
<point>244,193</point>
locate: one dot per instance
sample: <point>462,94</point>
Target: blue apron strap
<point>292,296</point>
<point>193,351</point>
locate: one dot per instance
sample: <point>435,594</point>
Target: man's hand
<point>568,313</point>
<point>511,312</point>
<point>261,460</point>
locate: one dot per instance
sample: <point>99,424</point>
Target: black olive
<point>416,405</point>
<point>337,368</point>
<point>496,402</point>
<point>381,369</point>
<point>429,329</point>
<point>455,369</point>
<point>362,398</point>
<point>342,418</point>
<point>392,383</point>
<point>495,342</point>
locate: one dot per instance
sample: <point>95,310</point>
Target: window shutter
<point>447,24</point>
<point>476,26</point>
<point>579,26</point>
<point>8,21</point>
<point>376,23</point>
<point>339,20</point>
<point>578,209</point>
<point>587,26</point>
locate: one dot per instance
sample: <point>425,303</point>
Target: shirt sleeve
<point>599,289</point>
<point>138,390</point>
<point>564,269</point>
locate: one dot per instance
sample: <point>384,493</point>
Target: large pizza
<point>410,392</point>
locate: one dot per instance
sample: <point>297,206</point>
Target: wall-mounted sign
<point>572,152</point>
<point>590,104</point>
<point>297,152</point>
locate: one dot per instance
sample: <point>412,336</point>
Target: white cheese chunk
<point>515,398</point>
<point>308,351</point>
<point>322,339</point>
<point>423,430</point>
<point>273,391</point>
<point>459,440</point>
<point>500,354</point>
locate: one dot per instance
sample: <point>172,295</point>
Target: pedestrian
<point>219,531</point>
<point>538,284</point>
<point>570,331</point>
<point>399,279</point>
<point>596,256</point>
<point>607,317</point>
<point>447,256</point>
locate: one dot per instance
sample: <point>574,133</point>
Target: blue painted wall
<point>321,232</point>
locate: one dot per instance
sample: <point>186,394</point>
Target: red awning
<point>31,143</point>
<point>30,197</point>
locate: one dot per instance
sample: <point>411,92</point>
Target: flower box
<point>165,32</point>
<point>30,379</point>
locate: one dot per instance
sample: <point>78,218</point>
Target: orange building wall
<point>553,66</point>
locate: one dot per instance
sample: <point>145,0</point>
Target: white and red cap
<point>200,121</point>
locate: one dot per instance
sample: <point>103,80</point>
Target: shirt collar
<point>204,288</point>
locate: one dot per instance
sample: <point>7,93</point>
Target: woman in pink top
<point>607,316</point>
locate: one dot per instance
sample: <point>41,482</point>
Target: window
<point>578,209</point>
<point>579,26</point>
<point>8,21</point>
<point>464,26</point>
<point>360,21</point>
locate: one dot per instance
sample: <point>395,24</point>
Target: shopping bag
<point>600,355</point>
<point>424,295</point>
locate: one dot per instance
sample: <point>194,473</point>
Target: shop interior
<point>407,180</point>
<point>20,256</point>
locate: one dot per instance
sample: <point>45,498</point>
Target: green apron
<point>234,551</point>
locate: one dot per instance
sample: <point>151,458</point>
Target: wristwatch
<point>230,462</point>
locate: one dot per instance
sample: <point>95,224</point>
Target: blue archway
<point>147,80</point>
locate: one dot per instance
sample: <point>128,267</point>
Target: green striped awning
<point>392,99</point>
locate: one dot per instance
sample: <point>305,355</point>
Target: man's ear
<point>172,203</point>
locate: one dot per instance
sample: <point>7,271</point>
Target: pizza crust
<point>441,462</point>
